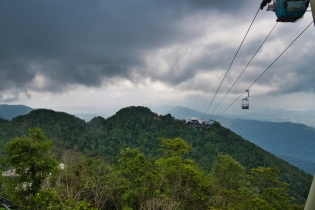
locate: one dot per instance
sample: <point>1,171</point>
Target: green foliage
<point>170,182</point>
<point>230,179</point>
<point>138,127</point>
<point>42,200</point>
<point>184,182</point>
<point>228,173</point>
<point>139,178</point>
<point>33,160</point>
<point>81,205</point>
<point>266,177</point>
<point>270,189</point>
<point>173,147</point>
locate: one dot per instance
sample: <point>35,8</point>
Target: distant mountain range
<point>180,112</point>
<point>8,112</point>
<point>293,142</point>
<point>276,115</point>
<point>262,114</point>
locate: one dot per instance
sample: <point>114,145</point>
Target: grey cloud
<point>78,42</point>
<point>9,100</point>
<point>14,95</point>
<point>303,79</point>
<point>81,42</point>
<point>292,72</point>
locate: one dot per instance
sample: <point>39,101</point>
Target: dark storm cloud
<point>54,45</point>
<point>84,42</point>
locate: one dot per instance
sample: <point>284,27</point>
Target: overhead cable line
<point>280,54</point>
<point>231,63</point>
<point>265,70</point>
<point>244,68</point>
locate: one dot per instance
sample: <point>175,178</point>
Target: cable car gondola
<point>245,102</point>
<point>287,10</point>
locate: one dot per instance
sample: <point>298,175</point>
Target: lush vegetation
<point>136,181</point>
<point>138,127</point>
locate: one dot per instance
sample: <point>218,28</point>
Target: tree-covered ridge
<point>64,128</point>
<point>172,181</point>
<point>138,127</point>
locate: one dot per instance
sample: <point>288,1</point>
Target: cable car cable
<point>245,68</point>
<point>231,63</point>
<point>265,70</point>
<point>280,55</point>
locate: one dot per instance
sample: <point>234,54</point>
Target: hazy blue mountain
<point>306,165</point>
<point>87,112</point>
<point>10,111</point>
<point>89,116</point>
<point>276,115</point>
<point>180,112</point>
<point>293,142</point>
<point>161,109</point>
<point>183,112</point>
<point>285,139</point>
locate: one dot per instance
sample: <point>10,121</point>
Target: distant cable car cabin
<point>287,10</point>
<point>245,102</point>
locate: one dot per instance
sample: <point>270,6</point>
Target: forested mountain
<point>292,142</point>
<point>138,127</point>
<point>10,111</point>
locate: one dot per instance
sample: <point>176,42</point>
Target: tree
<point>33,159</point>
<point>228,173</point>
<point>99,182</point>
<point>173,147</point>
<point>271,190</point>
<point>137,178</point>
<point>230,178</point>
<point>181,180</point>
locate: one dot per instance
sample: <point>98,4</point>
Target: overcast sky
<point>115,53</point>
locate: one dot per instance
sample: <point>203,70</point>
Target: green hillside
<point>292,142</point>
<point>138,127</point>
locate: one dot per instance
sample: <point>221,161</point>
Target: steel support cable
<point>265,70</point>
<point>231,63</point>
<point>244,68</point>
